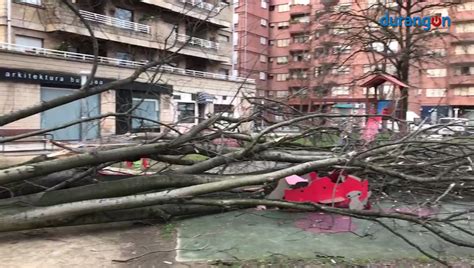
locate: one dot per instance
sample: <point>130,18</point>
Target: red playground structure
<point>338,188</point>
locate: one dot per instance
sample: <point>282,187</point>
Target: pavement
<point>252,234</point>
<point>242,237</point>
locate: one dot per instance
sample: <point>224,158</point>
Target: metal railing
<point>111,21</point>
<point>117,62</point>
<point>194,41</point>
<point>203,5</point>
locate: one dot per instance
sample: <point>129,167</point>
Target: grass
<point>168,230</point>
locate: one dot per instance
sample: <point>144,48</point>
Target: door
<point>147,108</point>
<point>69,112</point>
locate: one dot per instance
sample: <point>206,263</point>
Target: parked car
<point>452,126</point>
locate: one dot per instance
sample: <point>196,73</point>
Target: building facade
<point>46,52</point>
<point>304,43</point>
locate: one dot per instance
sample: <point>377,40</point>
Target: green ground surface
<point>260,235</point>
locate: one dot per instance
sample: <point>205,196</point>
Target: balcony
<point>218,15</point>
<point>463,15</point>
<point>114,22</point>
<point>461,80</point>
<point>300,9</point>
<point>203,5</point>
<point>58,54</point>
<point>299,82</point>
<point>194,41</point>
<point>304,64</point>
<point>300,27</point>
<point>463,37</point>
<point>461,59</point>
<point>300,46</point>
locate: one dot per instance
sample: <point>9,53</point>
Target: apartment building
<point>304,45</point>
<point>46,52</point>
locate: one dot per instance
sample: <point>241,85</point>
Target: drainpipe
<point>232,68</point>
<point>9,22</point>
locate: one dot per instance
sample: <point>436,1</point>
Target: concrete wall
<point>16,96</point>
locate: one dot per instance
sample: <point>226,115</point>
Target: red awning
<point>379,79</point>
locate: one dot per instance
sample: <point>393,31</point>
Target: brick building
<point>46,52</point>
<point>290,48</point>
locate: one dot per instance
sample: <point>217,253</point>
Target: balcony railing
<point>111,21</point>
<point>203,5</point>
<point>117,62</point>
<point>194,41</point>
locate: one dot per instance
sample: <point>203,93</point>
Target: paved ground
<point>259,236</point>
<point>264,234</point>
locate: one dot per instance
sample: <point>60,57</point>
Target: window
<point>281,77</point>
<point>263,58</point>
<point>301,38</point>
<point>225,109</point>
<point>224,71</point>
<point>223,38</point>
<point>263,76</point>
<point>298,74</point>
<point>124,58</point>
<point>263,22</point>
<point>282,60</point>
<point>344,7</point>
<point>301,56</point>
<point>263,3</point>
<point>377,46</point>
<point>464,91</point>
<point>186,112</point>
<point>281,94</point>
<point>304,18</point>
<point>263,40</point>
<point>437,53</point>
<point>283,25</point>
<point>301,91</point>
<point>341,70</point>
<point>464,70</point>
<point>123,14</point>
<point>373,26</point>
<point>465,27</point>
<point>28,41</point>
<point>386,91</point>
<point>283,42</point>
<point>464,49</point>
<point>283,8</point>
<point>336,91</point>
<point>300,2</point>
<point>389,68</point>
<point>32,2</point>
<point>371,91</point>
<point>235,38</point>
<point>341,49</point>
<point>147,108</point>
<point>436,72</point>
<point>340,30</point>
<point>435,92</point>
<point>466,6</point>
<point>320,51</point>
